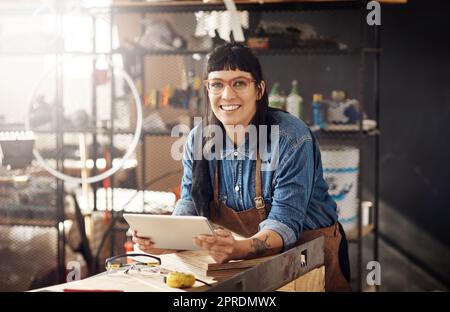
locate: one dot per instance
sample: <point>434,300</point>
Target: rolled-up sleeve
<point>292,189</point>
<point>185,205</point>
<point>286,233</point>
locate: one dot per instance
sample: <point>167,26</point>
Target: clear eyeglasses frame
<point>239,85</point>
<point>115,263</point>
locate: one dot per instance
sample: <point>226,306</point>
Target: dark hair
<point>235,56</point>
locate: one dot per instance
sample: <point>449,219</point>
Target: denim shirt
<point>296,188</point>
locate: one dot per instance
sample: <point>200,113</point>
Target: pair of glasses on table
<point>126,263</point>
<point>147,265</point>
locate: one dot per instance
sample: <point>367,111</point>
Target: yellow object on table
<point>179,280</point>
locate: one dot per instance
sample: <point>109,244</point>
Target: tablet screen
<point>170,232</point>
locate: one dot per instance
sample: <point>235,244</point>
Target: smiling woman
<point>272,209</point>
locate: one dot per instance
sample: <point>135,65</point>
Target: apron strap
<point>216,183</point>
<point>259,200</point>
<point>258,178</point>
<point>260,205</point>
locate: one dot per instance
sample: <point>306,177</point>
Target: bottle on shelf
<point>283,98</point>
<point>276,100</point>
<point>195,100</point>
<point>318,118</point>
<point>294,102</point>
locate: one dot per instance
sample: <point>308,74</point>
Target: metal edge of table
<point>277,271</point>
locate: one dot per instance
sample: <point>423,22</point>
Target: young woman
<point>273,207</point>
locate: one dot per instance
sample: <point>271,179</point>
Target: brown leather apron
<point>246,223</point>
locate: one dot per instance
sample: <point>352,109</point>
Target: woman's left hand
<point>222,247</point>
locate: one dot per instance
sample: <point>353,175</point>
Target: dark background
<point>415,113</point>
<point>415,151</point>
<point>414,116</point>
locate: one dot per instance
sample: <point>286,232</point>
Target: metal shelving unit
<point>42,225</point>
<point>54,222</point>
<point>281,52</point>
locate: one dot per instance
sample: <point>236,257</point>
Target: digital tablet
<point>170,232</point>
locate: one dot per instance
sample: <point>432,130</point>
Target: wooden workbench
<point>298,269</point>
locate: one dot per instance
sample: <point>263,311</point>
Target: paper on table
<point>118,281</point>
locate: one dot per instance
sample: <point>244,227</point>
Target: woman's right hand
<point>145,244</point>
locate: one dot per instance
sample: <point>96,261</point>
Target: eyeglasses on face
<point>238,85</point>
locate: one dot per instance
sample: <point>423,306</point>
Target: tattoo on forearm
<point>260,246</point>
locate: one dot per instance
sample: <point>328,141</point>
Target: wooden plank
<point>313,281</point>
<point>30,6</point>
<point>130,4</point>
<point>202,264</point>
<point>239,264</point>
<point>393,1</point>
<point>196,260</point>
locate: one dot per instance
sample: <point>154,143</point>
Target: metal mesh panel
<point>28,248</point>
<point>27,253</point>
<point>27,197</point>
<point>153,32</point>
